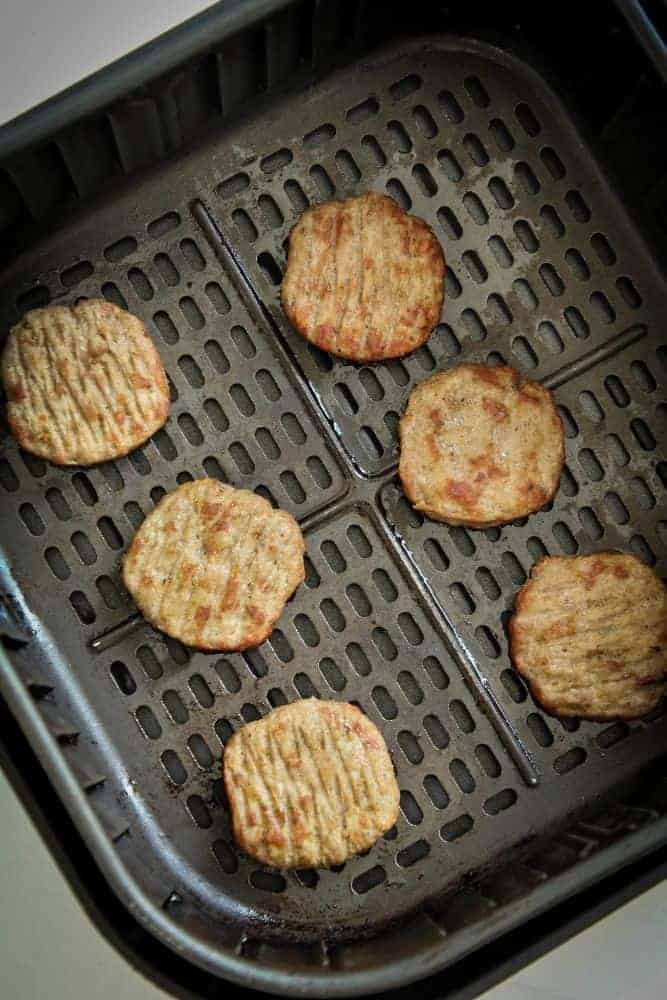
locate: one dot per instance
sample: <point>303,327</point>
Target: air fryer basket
<point>401,615</point>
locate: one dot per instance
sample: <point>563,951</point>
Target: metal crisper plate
<point>402,615</point>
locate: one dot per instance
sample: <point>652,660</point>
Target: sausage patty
<point>480,446</point>
<point>364,279</point>
<point>309,785</point>
<point>589,634</point>
<point>85,383</point>
<point>213,566</point>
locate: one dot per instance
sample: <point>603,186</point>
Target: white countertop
<point>46,46</point>
<point>48,945</point>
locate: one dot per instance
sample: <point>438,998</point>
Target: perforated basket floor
<point>404,616</point>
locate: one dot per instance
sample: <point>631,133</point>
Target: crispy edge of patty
<point>549,704</point>
<point>406,468</point>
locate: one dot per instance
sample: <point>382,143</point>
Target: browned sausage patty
<point>589,634</point>
<point>84,383</point>
<point>364,279</point>
<point>213,566</point>
<point>480,446</point>
<point>309,785</point>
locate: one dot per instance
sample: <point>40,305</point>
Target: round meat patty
<point>309,785</point>
<point>480,446</point>
<point>214,566</point>
<point>85,383</point>
<point>589,634</point>
<point>364,279</point>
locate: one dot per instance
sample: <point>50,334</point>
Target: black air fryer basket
<point>168,184</point>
